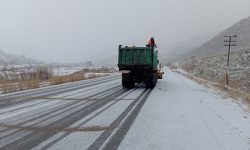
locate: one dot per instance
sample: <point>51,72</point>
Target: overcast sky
<point>79,30</point>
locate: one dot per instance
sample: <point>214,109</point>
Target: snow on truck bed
<point>181,114</point>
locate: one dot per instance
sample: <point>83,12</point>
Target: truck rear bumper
<point>135,67</point>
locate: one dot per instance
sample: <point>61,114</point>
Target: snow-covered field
<point>214,68</point>
<point>99,114</point>
<point>63,71</point>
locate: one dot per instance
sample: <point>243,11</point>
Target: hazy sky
<point>79,30</point>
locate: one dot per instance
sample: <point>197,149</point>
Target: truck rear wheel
<point>128,81</point>
<point>151,81</point>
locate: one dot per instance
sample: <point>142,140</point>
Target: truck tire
<point>151,82</point>
<point>128,81</point>
<point>155,79</point>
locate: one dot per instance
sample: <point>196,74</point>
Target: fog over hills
<point>216,45</point>
<point>176,50</point>
<point>209,44</point>
<point>10,59</point>
<point>203,45</point>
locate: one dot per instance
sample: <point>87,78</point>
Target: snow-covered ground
<point>181,114</point>
<point>63,71</point>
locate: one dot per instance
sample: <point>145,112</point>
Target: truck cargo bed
<point>137,58</point>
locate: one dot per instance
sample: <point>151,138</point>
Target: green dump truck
<point>139,65</point>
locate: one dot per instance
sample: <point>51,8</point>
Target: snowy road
<point>182,115</point>
<point>83,115</point>
<point>99,114</point>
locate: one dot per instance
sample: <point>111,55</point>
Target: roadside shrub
<point>77,77</point>
<point>56,80</point>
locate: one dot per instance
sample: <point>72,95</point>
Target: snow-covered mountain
<point>10,59</point>
<point>209,61</point>
<point>216,45</point>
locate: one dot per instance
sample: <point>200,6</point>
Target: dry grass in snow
<point>236,94</point>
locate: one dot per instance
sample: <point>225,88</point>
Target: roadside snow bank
<point>241,97</point>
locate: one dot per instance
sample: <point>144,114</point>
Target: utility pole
<point>229,43</point>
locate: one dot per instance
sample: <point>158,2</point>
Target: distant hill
<point>175,51</point>
<point>10,59</point>
<point>216,45</point>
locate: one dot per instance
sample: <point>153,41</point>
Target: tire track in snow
<point>47,114</point>
<point>87,120</point>
<point>55,90</point>
<point>121,132</point>
<point>35,138</point>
